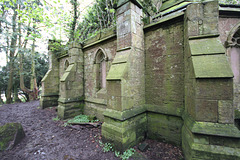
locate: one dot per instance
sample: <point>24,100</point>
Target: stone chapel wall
<point>227,28</point>
<point>95,100</point>
<point>62,67</point>
<point>165,80</point>
<point>169,80</point>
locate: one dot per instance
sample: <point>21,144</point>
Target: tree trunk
<point>34,87</point>
<point>1,101</point>
<point>15,95</point>
<point>33,93</point>
<point>12,53</point>
<point>74,22</point>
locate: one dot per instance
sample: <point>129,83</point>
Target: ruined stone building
<point>175,79</point>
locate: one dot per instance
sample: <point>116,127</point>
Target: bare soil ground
<point>50,140</point>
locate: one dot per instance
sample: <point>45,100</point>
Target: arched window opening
<point>236,39</point>
<point>66,65</point>
<point>234,58</point>
<point>100,62</point>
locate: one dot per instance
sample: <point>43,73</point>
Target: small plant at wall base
<point>83,119</point>
<point>55,119</point>
<point>106,146</point>
<point>109,147</point>
<point>65,124</point>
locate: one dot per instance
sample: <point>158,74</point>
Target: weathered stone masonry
<point>169,80</point>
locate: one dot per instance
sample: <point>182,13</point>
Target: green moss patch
<point>10,135</point>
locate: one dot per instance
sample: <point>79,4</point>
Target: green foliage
<point>79,118</point>
<point>109,147</point>
<point>237,114</point>
<point>56,46</point>
<point>82,119</point>
<point>229,2</point>
<point>117,153</point>
<point>55,119</point>
<point>101,15</point>
<point>65,124</point>
<point>41,67</point>
<point>148,6</point>
<point>20,24</point>
<point>127,154</point>
<point>106,146</point>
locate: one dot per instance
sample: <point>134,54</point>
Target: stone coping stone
<point>96,101</point>
<point>209,128</point>
<point>168,110</point>
<point>216,151</point>
<point>173,9</point>
<point>170,3</point>
<point>103,35</point>
<point>117,71</point>
<point>211,66</point>
<point>164,19</point>
<point>50,95</point>
<point>122,2</point>
<point>206,46</point>
<point>124,115</point>
<point>69,100</point>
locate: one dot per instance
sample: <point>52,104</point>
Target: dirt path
<point>50,140</point>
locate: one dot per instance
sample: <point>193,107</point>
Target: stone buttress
<point>50,82</point>
<point>71,99</point>
<point>208,131</point>
<point>125,118</point>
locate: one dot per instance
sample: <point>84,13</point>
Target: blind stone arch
<point>233,52</point>
<point>100,62</point>
<point>66,64</point>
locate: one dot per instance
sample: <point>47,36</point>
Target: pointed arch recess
<point>231,40</point>
<point>100,62</point>
<point>66,64</point>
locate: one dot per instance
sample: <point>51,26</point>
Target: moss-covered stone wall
<point>50,82</point>
<point>71,92</point>
<point>227,28</point>
<point>95,99</point>
<point>62,67</point>
<point>169,80</point>
<point>164,80</point>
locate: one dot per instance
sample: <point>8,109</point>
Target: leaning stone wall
<point>165,80</point>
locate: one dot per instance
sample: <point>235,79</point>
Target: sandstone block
<point>10,135</point>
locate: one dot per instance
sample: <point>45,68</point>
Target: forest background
<point>25,28</point>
